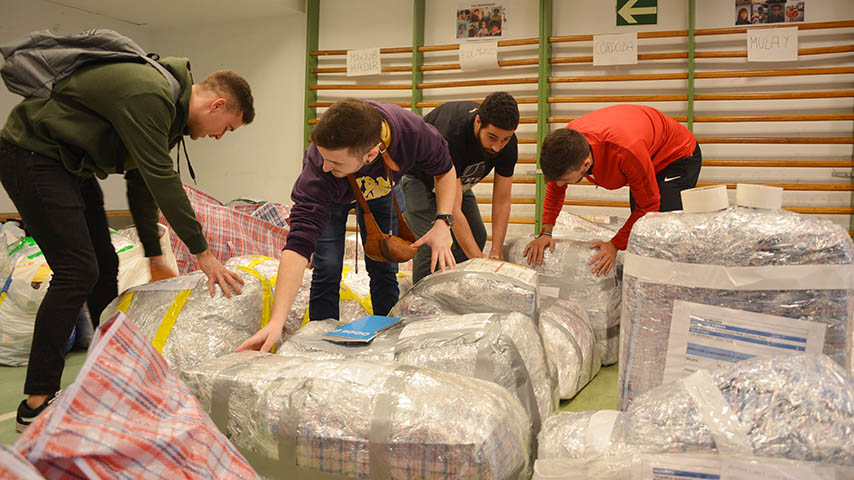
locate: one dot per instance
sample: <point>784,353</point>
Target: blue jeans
<point>329,260</point>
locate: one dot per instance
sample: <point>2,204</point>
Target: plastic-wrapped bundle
<point>362,419</point>
<point>569,342</point>
<point>187,325</point>
<point>799,407</point>
<point>684,465</point>
<point>298,315</point>
<point>751,261</point>
<point>502,348</point>
<point>566,273</point>
<point>474,286</point>
<point>602,229</point>
<point>133,265</point>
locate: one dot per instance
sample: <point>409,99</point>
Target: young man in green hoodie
<point>121,118</point>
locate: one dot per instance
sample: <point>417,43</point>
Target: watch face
<point>449,219</point>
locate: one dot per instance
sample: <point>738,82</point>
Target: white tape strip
<point>729,434</point>
<point>758,196</point>
<point>783,277</point>
<point>599,428</point>
<point>705,199</point>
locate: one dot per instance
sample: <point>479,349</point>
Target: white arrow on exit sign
<point>629,10</point>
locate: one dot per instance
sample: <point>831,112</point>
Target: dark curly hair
<point>563,151</point>
<point>499,109</point>
<point>350,123</point>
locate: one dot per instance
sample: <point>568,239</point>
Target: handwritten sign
<point>478,55</point>
<point>772,44</point>
<point>363,62</point>
<point>616,49</point>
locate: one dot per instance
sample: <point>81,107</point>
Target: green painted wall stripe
<point>312,28</point>
<point>543,93</point>
<point>417,57</point>
<point>692,17</point>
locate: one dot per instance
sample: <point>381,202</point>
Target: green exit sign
<point>637,12</point>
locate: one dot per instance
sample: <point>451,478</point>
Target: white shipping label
<point>677,467</point>
<point>709,337</point>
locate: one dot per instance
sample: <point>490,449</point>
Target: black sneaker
<point>27,415</point>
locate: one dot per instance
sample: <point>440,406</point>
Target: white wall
<point>20,17</point>
<point>265,157</point>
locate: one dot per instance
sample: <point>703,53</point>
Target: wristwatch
<point>447,217</point>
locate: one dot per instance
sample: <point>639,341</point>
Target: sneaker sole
<point>19,427</point>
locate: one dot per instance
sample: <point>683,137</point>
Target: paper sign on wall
<point>365,61</point>
<point>772,44</point>
<point>478,55</point>
<point>616,49</point>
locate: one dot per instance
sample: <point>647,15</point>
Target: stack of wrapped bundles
<point>702,289</point>
<point>187,325</point>
<point>503,348</point>
<point>569,342</point>
<point>307,418</point>
<point>474,286</point>
<point>799,407</point>
<point>686,465</point>
<point>566,273</point>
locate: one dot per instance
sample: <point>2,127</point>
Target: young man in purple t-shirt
<point>347,140</point>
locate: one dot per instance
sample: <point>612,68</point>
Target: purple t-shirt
<point>414,143</point>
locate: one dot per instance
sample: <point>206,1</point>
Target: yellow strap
<point>258,260</point>
<point>348,294</point>
<point>125,303</point>
<point>268,294</point>
<point>273,279</point>
<point>168,322</point>
<point>3,297</point>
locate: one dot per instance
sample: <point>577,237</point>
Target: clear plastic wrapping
<point>569,341</point>
<point>362,419</point>
<point>566,273</point>
<point>474,286</point>
<point>502,348</point>
<point>187,325</point>
<point>799,407</point>
<point>700,250</point>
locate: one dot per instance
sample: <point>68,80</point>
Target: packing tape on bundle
<point>758,196</point>
<point>168,322</point>
<point>125,303</point>
<point>599,430</point>
<point>705,199</point>
<point>729,433</point>
<point>266,288</point>
<point>385,406</point>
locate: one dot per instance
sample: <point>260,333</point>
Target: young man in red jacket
<point>632,145</point>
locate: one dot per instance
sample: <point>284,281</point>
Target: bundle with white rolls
<point>570,344</point>
<point>505,349</point>
<point>187,325</point>
<point>715,285</point>
<point>566,273</point>
<point>301,418</point>
<point>799,407</point>
<point>474,286</point>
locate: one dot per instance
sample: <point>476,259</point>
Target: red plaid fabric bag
<point>230,232</point>
<point>127,416</point>
<point>15,467</point>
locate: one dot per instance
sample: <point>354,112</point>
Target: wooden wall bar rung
<point>365,86</point>
<point>801,187</point>
<point>319,53</point>
<point>708,54</point>
<point>776,73</point>
<point>526,140</point>
<point>516,180</point>
<point>803,210</point>
<point>329,104</point>
<point>528,120</point>
<point>526,161</point>
<point>678,118</point>
<point>619,98</point>
<point>519,100</point>
<point>780,163</point>
<point>801,26</point>
<point>515,220</point>
<point>501,43</point>
<point>514,201</point>
<point>344,69</point>
<point>774,118</point>
<point>770,140</point>
<point>477,83</point>
<point>589,38</point>
<point>620,78</point>
<point>641,56</point>
<point>775,95</point>
<point>501,63</point>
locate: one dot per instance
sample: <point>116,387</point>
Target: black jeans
<point>329,260</point>
<point>65,215</point>
<point>680,175</point>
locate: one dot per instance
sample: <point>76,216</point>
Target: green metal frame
<point>312,29</point>
<point>543,93</point>
<point>692,18</point>
<point>417,56</point>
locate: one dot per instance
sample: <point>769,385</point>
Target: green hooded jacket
<point>136,127</point>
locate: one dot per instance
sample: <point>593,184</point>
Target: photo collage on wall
<point>481,20</point>
<point>753,12</point>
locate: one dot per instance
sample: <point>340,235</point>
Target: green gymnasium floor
<point>600,394</point>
